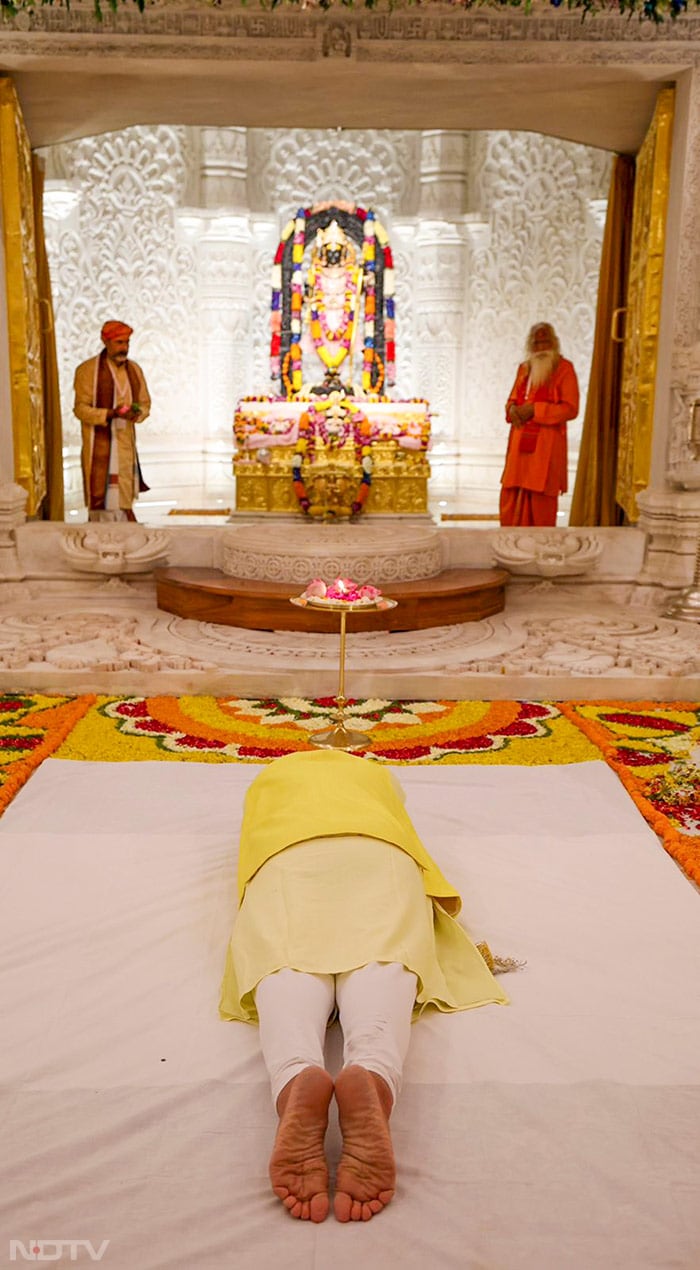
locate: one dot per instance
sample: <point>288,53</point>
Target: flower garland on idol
<point>291,372</point>
<point>296,229</point>
<point>313,424</point>
<point>321,333</point>
<point>375,232</point>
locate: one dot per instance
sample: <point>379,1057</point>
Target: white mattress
<point>560,1132</point>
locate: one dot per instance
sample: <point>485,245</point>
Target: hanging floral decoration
<point>296,230</point>
<point>286,376</point>
<point>334,423</point>
<point>376,360</point>
<point>332,345</point>
<point>374,232</point>
<point>646,10</point>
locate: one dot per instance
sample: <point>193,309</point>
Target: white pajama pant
<point>375,1004</point>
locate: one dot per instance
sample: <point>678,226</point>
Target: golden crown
<point>333,238</point>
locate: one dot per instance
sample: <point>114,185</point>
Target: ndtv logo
<point>55,1249</point>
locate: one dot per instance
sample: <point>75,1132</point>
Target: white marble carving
<point>671,521</point>
<point>365,553</point>
<point>295,167</point>
<point>223,167</point>
<point>548,554</point>
<point>117,257</point>
<point>686,323</point>
<point>551,643</point>
<point>114,549</point>
<point>99,642</point>
<point>13,503</point>
<point>532,268</point>
<point>191,29</point>
<point>174,229</point>
<point>686,475</point>
<point>634,644</point>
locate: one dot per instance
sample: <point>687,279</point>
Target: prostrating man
<point>543,398</point>
<point>341,909</point>
<point>111,397</point>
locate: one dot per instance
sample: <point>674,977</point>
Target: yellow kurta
<point>332,903</point>
<point>324,793</point>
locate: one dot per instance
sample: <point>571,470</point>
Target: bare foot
<point>366,1172</point>
<point>298,1169</point>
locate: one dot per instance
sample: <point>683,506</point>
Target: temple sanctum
<point>351,448</point>
<point>329,303</point>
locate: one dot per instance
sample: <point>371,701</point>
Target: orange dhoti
<point>520,506</point>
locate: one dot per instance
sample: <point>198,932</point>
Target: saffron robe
<point>536,455</point>
<point>95,395</point>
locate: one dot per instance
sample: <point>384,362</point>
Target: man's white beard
<point>542,365</point>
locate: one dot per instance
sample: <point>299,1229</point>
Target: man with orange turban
<point>110,398</point>
<point>543,398</point>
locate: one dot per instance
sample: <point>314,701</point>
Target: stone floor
<point>552,642</point>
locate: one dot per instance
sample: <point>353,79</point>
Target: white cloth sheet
<point>561,1132</point>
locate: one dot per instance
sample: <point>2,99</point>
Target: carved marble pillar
<point>220,231</point>
<point>223,173</point>
<point>670,506</point>
<point>13,504</point>
<point>439,297</point>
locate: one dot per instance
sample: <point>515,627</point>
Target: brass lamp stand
<point>339,737</point>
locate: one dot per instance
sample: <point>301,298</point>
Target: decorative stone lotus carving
<point>114,549</point>
<point>555,554</point>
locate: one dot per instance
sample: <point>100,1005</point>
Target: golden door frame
<point>644,306</point>
<point>23,309</point>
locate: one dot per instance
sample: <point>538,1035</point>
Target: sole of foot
<point>298,1169</point>
<point>366,1173</point>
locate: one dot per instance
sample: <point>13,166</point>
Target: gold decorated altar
<point>331,443</point>
<point>268,434</point>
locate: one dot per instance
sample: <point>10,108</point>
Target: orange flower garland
<point>32,726</point>
<point>372,356</point>
<point>649,745</point>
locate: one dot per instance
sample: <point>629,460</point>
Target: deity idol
<point>331,319</point>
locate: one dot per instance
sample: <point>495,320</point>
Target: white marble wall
<point>173,230</point>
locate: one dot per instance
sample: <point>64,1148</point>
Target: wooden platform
<point>208,595</point>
